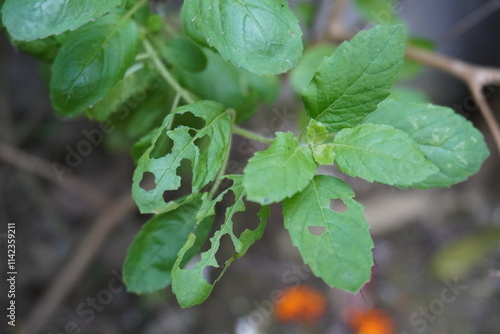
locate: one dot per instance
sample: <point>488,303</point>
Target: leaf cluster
<point>180,99</point>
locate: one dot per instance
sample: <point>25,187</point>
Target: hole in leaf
<point>210,273</point>
<point>192,132</point>
<point>223,185</point>
<point>185,171</point>
<point>228,200</point>
<point>148,181</point>
<point>163,146</point>
<point>225,252</point>
<point>247,219</point>
<point>202,142</point>
<point>189,119</point>
<point>190,263</point>
<point>316,230</point>
<point>338,205</point>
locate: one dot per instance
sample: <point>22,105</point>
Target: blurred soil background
<point>409,227</point>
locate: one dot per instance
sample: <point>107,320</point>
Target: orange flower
<point>302,304</point>
<point>372,321</point>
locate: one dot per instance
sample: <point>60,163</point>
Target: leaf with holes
<point>92,60</point>
<point>348,85</point>
<point>279,172</point>
<point>204,142</point>
<point>381,153</point>
<point>261,36</point>
<point>189,285</point>
<point>153,253</point>
<point>336,245</point>
<point>447,139</point>
<point>29,20</point>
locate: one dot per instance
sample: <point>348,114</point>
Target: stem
<point>222,170</point>
<point>175,104</point>
<point>134,9</point>
<point>221,173</point>
<point>251,135</point>
<point>142,56</point>
<point>165,73</point>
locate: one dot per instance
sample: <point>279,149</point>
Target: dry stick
<point>43,169</point>
<point>476,77</point>
<point>471,20</point>
<point>336,16</point>
<point>89,244</point>
<point>77,264</point>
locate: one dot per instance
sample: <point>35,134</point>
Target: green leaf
<point>381,153</point>
<point>189,285</point>
<point>280,171</point>
<point>303,73</point>
<point>190,14</point>
<point>138,116</point>
<point>43,49</point>
<point>36,19</point>
<point>91,61</point>
<point>378,11</point>
<point>407,95</point>
<point>153,253</point>
<point>324,154</point>
<point>462,255</point>
<point>204,143</point>
<point>235,87</point>
<point>142,145</point>
<point>316,132</point>
<point>349,84</point>
<point>136,80</point>
<point>336,245</point>
<point>447,139</point>
<point>261,36</point>
<point>182,53</point>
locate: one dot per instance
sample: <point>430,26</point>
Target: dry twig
<point>83,255</point>
<point>476,77</point>
<point>90,242</point>
<point>43,169</point>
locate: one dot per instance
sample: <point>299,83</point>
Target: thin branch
<point>251,135</point>
<point>475,77</point>
<point>76,265</point>
<point>39,167</point>
<point>471,20</point>
<point>336,17</point>
<point>162,69</point>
